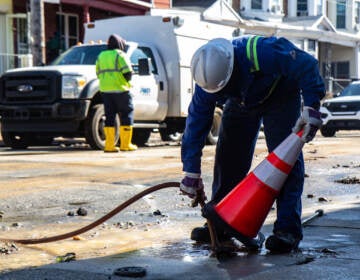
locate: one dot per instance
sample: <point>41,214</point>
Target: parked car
<point>342,112</point>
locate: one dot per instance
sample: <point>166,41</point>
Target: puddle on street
<point>340,238</point>
<point>105,240</point>
<point>166,241</point>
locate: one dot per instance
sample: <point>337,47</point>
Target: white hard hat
<point>212,64</point>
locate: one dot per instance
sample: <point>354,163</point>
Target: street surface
<point>42,189</point>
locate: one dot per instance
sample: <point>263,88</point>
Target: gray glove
<point>192,185</point>
<point>310,121</point>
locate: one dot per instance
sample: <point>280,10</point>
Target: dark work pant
<point>235,150</point>
<point>118,103</point>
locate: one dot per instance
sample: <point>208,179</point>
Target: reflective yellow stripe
<point>251,53</point>
<point>249,42</point>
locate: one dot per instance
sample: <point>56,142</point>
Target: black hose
<point>97,222</point>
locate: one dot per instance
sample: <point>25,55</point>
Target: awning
<point>127,7</point>
<point>140,3</point>
<point>322,30</point>
<point>52,1</point>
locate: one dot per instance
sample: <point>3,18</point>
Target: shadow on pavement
<point>330,250</point>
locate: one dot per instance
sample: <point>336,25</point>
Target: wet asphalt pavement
<point>329,250</point>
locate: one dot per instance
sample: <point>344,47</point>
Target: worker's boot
<point>282,242</point>
<point>125,138</point>
<point>109,132</point>
<point>202,234</point>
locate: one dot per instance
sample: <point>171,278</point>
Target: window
<point>83,55</point>
<point>256,4</point>
<point>67,30</point>
<point>275,8</point>
<point>340,14</point>
<point>22,36</point>
<point>143,52</point>
<point>302,8</point>
<point>357,12</point>
<point>352,89</point>
<point>342,69</point>
<point>337,70</point>
<point>311,45</point>
<point>319,7</point>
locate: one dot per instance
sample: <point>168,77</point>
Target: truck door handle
<point>161,85</point>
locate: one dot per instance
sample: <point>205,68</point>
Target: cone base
<point>210,213</point>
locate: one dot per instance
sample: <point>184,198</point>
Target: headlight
<point>326,104</point>
<point>72,86</point>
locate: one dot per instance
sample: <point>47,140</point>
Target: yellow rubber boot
<point>126,132</point>
<point>110,140</point>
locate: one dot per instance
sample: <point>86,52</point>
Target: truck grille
<point>344,107</point>
<point>36,87</point>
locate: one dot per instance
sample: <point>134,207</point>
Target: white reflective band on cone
<point>289,149</point>
<point>270,175</point>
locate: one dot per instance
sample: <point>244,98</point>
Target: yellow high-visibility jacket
<point>110,67</point>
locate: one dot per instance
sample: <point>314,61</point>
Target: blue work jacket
<point>276,60</point>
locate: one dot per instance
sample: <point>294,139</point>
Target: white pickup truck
<point>38,104</point>
<point>341,112</point>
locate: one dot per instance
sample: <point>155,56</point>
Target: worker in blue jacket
<point>261,80</point>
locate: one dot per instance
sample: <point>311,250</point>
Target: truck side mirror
<point>144,66</point>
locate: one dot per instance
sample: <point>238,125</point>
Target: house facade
<point>54,25</point>
<point>329,30</point>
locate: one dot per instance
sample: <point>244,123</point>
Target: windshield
<point>351,90</point>
<point>83,55</point>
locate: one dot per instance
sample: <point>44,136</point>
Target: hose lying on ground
<point>97,222</point>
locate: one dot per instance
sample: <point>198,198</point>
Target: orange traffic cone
<point>243,211</point>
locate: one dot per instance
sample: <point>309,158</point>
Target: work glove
<point>192,186</point>
<point>310,121</point>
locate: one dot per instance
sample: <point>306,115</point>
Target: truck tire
<point>327,132</point>
<point>94,127</point>
<point>213,135</point>
<point>15,140</point>
<point>212,138</point>
<point>141,136</point>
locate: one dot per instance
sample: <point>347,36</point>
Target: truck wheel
<point>94,127</point>
<point>213,136</point>
<point>140,136</point>
<point>15,140</point>
<point>327,132</point>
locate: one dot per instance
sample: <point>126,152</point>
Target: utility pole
<point>37,37</point>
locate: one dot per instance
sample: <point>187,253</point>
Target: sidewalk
<point>330,250</point>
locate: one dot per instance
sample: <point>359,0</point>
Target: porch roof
<point>317,28</point>
<point>193,5</point>
<point>128,7</point>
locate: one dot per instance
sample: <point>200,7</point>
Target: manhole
<point>130,271</point>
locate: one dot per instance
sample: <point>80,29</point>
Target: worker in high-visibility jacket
<point>261,80</point>
<point>114,72</point>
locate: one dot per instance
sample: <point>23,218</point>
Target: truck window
<point>143,52</point>
<point>351,90</point>
<point>83,55</point>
